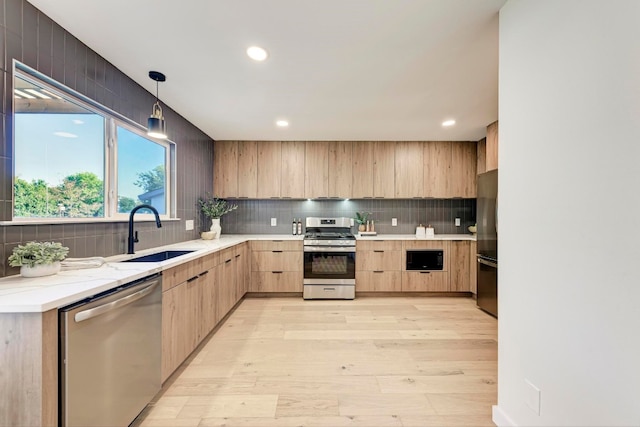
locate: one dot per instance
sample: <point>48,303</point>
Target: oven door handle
<point>346,249</point>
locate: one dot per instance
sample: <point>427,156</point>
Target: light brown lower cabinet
<point>378,281</point>
<point>473,270</point>
<point>378,265</point>
<point>209,287</point>
<point>276,281</point>
<point>425,281</point>
<point>460,266</point>
<point>276,266</point>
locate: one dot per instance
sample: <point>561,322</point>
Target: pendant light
<point>156,126</point>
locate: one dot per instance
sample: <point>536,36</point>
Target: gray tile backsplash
<point>254,216</point>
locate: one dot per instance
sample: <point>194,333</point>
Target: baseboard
<point>501,419</point>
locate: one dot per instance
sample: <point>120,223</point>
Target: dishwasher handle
<point>101,309</point>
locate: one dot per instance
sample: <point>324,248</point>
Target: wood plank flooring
<point>373,361</point>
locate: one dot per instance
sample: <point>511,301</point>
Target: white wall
<point>569,277</point>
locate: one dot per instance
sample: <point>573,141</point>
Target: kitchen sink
<point>158,256</point>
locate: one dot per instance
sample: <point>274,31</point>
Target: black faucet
<point>133,237</point>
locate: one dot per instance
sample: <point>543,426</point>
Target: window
<point>76,159</point>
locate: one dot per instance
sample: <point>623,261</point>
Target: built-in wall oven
<point>329,259</point>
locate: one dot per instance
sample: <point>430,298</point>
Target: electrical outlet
<point>394,222</point>
<point>274,222</point>
<point>532,397</point>
<point>352,222</point>
<point>188,224</point>
<point>457,222</point>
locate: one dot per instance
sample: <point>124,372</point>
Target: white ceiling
<point>337,70</point>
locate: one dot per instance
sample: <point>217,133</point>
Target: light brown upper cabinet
<point>463,170</point>
<point>492,146</point>
<point>225,168</point>
<point>269,169</point>
<point>409,170</point>
<point>247,169</point>
<point>345,169</point>
<point>340,169</point>
<point>482,153</point>
<point>437,169</point>
<point>316,169</point>
<point>362,170</point>
<point>384,169</point>
<point>292,176</point>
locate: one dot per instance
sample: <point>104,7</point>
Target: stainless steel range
<point>329,259</point>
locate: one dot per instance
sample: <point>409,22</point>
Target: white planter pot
<point>40,270</point>
<point>215,228</point>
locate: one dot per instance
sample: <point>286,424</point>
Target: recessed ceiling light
<point>257,53</point>
<point>282,123</point>
<point>448,123</point>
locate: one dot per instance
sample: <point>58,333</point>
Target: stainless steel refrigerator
<point>487,235</point>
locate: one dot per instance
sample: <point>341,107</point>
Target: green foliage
<point>126,204</point>
<point>361,218</point>
<point>33,199</point>
<point>37,253</point>
<point>82,195</point>
<point>151,180</point>
<point>213,207</point>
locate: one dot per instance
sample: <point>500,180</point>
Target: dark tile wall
<point>32,38</point>
<point>254,216</point>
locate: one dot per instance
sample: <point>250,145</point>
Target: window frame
<point>113,120</point>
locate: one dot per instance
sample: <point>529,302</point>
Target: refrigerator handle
<point>496,213</point>
<point>489,263</point>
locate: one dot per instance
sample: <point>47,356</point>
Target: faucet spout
<point>133,237</point>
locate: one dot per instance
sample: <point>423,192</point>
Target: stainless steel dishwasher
<point>110,349</point>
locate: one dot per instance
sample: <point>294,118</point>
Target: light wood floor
<point>285,362</point>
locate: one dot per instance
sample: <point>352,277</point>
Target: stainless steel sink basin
<point>158,256</point>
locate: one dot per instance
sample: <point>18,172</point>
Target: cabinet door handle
<point>227,261</point>
<point>425,272</point>
<point>238,256</point>
<point>277,252</point>
<point>277,241</point>
<point>377,250</point>
<point>379,271</point>
<point>204,273</point>
<point>192,279</point>
<point>277,272</point>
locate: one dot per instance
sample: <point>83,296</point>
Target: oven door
<point>330,264</point>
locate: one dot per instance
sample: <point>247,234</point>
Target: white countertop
<point>34,295</point>
<point>471,237</point>
<point>39,294</point>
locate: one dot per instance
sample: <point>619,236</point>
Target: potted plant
<point>213,208</point>
<point>37,259</point>
<point>361,219</point>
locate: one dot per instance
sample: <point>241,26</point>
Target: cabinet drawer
<point>267,281</point>
<point>226,255</point>
<point>379,260</point>
<point>276,261</point>
<point>276,245</point>
<point>378,281</point>
<point>175,275</point>
<point>210,261</point>
<point>377,245</point>
<point>425,281</point>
